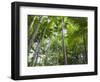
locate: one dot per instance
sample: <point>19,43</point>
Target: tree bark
<point>64,48</point>
<point>85,50</point>
<point>34,34</point>
<point>39,44</point>
<point>36,54</point>
<point>46,54</point>
<point>32,23</point>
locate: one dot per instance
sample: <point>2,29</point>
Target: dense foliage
<point>57,40</point>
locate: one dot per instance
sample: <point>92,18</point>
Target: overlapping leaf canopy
<point>57,40</point>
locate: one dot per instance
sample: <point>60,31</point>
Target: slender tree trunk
<point>64,48</point>
<point>46,54</point>
<point>57,50</point>
<point>34,34</point>
<point>83,56</point>
<point>38,47</point>
<point>31,25</point>
<point>36,54</point>
<point>85,50</point>
<point>39,44</point>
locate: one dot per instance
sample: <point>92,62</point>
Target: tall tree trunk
<point>36,54</point>
<point>85,50</point>
<point>34,34</point>
<point>39,44</point>
<point>46,52</point>
<point>33,37</point>
<point>57,50</point>
<point>31,25</point>
<point>64,48</point>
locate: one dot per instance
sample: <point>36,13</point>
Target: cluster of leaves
<point>57,40</point>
